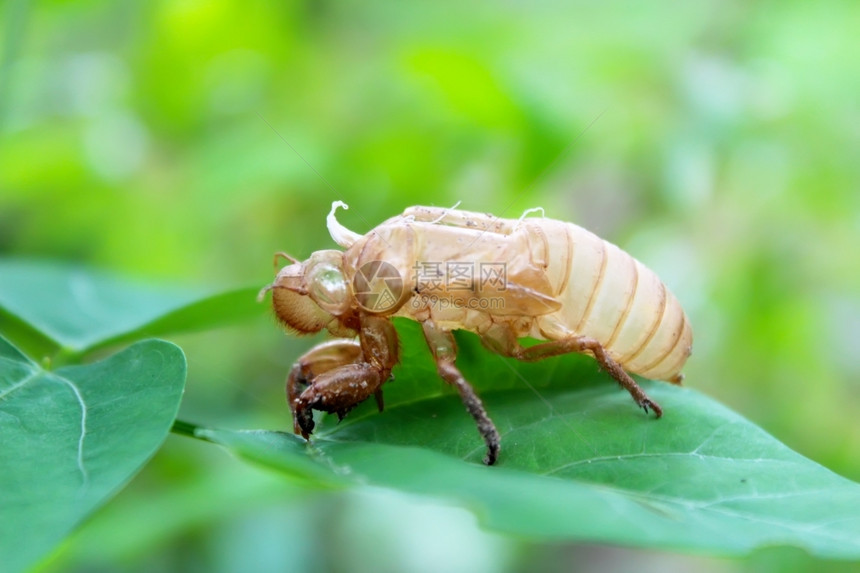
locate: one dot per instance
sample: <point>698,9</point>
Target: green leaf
<point>72,437</point>
<point>50,305</point>
<point>579,461</point>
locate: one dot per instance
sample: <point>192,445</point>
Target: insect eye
<point>328,288</point>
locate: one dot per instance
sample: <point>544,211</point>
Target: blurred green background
<point>186,141</point>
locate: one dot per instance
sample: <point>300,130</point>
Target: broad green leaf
<point>579,461</point>
<point>77,309</point>
<point>71,438</point>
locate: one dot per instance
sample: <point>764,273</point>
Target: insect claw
<point>492,454</point>
<point>658,411</point>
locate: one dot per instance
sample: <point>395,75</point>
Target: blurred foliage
<point>187,141</point>
<point>74,436</point>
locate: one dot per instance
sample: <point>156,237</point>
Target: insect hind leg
<point>506,344</point>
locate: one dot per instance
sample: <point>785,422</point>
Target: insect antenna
<point>262,294</point>
<point>282,255</point>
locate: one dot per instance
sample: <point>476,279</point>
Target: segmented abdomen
<point>608,295</point>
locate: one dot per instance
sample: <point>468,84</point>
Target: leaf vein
<point>622,457</point>
<point>30,377</point>
<point>83,405</point>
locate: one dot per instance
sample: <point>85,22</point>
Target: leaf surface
<point>50,305</point>
<point>579,461</point>
<point>71,438</point>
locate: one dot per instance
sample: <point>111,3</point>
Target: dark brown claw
<point>303,422</point>
<point>647,402</point>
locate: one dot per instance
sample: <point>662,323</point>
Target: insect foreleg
<point>336,376</point>
<point>337,391</point>
<point>318,360</point>
<point>444,350</point>
<point>504,343</point>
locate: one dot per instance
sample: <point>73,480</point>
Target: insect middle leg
<point>444,349</point>
<point>503,342</point>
